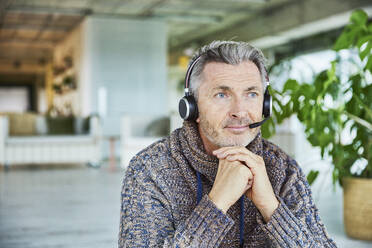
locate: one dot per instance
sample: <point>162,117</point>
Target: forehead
<point>243,74</point>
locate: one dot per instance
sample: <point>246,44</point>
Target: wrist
<point>268,210</point>
<point>219,204</point>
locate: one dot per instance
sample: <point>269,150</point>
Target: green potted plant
<point>334,103</point>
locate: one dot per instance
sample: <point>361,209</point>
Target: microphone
<point>256,124</point>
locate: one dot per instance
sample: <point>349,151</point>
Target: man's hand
<point>261,193</point>
<point>232,180</point>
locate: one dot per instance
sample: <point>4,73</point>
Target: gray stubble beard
<point>212,135</point>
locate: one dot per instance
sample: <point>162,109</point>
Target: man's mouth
<point>237,128</point>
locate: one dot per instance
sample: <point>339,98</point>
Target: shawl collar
<point>193,149</point>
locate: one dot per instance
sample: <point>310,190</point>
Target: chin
<point>234,141</point>
<point>238,139</point>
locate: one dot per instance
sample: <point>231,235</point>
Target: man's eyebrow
<point>251,88</point>
<point>227,88</point>
<point>222,87</point>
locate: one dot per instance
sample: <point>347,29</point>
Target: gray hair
<point>229,52</point>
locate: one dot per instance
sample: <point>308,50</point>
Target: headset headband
<point>188,74</point>
<point>267,77</point>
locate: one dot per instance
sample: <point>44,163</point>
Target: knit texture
<point>159,200</point>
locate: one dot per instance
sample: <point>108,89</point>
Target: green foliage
<point>312,176</point>
<point>324,122</point>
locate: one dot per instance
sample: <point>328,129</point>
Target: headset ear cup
<point>188,108</point>
<point>267,104</point>
<point>194,112</point>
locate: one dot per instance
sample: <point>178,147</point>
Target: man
<point>215,182</point>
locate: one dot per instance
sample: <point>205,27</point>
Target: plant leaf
<point>359,17</point>
<point>369,64</point>
<point>342,42</point>
<point>312,176</point>
<point>291,85</point>
<point>369,28</point>
<point>366,51</point>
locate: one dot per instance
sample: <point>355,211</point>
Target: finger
<point>235,150</point>
<point>248,186</point>
<point>237,157</point>
<point>222,149</point>
<point>241,158</point>
<point>258,159</point>
<point>227,148</point>
<point>251,164</point>
<point>250,182</point>
<point>228,151</point>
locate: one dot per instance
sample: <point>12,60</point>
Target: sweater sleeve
<point>296,221</point>
<point>146,218</point>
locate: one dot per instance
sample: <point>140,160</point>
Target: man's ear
<point>198,120</point>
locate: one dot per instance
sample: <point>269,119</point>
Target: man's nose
<point>238,109</point>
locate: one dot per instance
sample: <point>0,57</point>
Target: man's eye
<point>252,94</point>
<point>220,95</point>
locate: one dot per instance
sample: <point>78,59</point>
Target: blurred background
<point>86,84</point>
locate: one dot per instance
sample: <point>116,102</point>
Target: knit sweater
<point>159,200</point>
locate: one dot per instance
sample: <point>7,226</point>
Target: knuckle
<point>236,163</point>
<point>243,169</point>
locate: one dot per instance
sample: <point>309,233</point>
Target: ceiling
<point>29,29</point>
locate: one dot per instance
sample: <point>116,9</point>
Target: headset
<point>188,107</point>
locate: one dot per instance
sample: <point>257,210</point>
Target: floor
<point>79,207</point>
<point>59,208</point>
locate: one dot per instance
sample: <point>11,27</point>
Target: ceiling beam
<point>191,18</point>
<point>48,20</point>
<point>271,22</point>
<point>148,11</point>
<point>11,43</point>
<point>25,67</point>
<point>249,1</point>
<point>40,43</point>
<point>25,26</point>
<point>87,11</point>
<point>48,10</point>
<point>25,53</point>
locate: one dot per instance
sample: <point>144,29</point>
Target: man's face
<point>230,98</point>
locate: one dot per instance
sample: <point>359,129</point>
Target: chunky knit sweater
<point>159,200</point>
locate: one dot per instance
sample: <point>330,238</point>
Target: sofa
<point>140,131</point>
<point>30,138</point>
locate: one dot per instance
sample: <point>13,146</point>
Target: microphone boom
<point>256,124</point>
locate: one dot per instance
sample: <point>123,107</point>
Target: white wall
<point>14,99</point>
<point>126,59</point>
